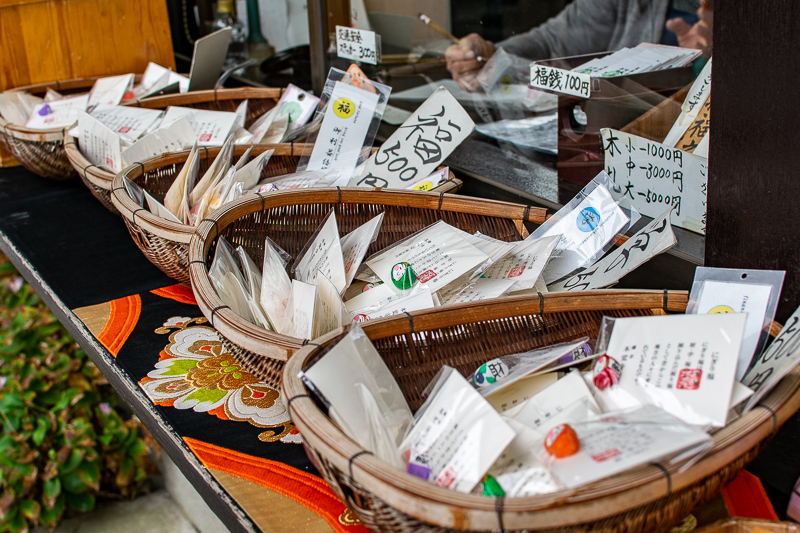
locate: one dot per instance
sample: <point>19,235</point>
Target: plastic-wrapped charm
<point>606,372</point>
<point>490,372</point>
<point>490,487</point>
<point>403,276</point>
<point>562,441</point>
<point>360,318</point>
<point>44,110</point>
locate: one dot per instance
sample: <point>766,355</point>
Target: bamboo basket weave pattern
<point>42,151</point>
<point>650,498</point>
<point>99,180</point>
<point>291,217</point>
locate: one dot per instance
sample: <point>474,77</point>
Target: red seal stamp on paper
<point>204,138</point>
<point>689,379</point>
<point>124,129</point>
<point>447,478</point>
<point>516,271</point>
<point>360,318</point>
<point>426,276</point>
<point>606,455</point>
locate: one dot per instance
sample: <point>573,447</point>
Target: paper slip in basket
<point>684,364</point>
<point>57,114</point>
<point>618,441</point>
<point>437,254</point>
<point>323,253</point>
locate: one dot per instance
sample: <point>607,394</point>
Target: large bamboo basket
<point>165,243</point>
<point>648,499</point>
<point>260,100</point>
<point>290,218</point>
<point>42,151</point>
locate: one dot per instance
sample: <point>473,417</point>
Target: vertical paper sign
<point>99,144</point>
<point>358,45</point>
<point>697,98</point>
<point>422,143</point>
<point>344,128</point>
<point>561,81</point>
<point>654,177</point>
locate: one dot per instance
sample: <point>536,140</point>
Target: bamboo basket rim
<point>597,501</point>
<point>104,178</point>
<point>259,340</point>
<point>162,227</point>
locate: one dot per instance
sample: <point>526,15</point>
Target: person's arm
<point>466,58</point>
<point>697,36</point>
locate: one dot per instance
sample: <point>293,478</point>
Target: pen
<point>427,20</point>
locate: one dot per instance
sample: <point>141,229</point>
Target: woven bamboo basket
<point>42,151</point>
<point>260,100</point>
<point>647,499</point>
<point>290,218</point>
<point>165,243</point>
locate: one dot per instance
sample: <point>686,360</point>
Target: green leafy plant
<point>64,443</point>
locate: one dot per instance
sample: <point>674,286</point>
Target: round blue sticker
<point>588,219</point>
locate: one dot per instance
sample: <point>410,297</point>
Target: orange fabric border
<point>122,319</point>
<point>306,489</point>
<point>178,292</point>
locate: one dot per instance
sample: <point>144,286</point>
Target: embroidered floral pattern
<point>195,372</point>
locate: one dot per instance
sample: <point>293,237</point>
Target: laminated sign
<point>358,45</point>
<point>421,144</point>
<point>654,177</point>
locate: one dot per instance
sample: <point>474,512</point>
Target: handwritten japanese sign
<point>344,128</point>
<point>561,81</point>
<point>776,361</point>
<point>694,105</point>
<point>422,143</point>
<point>653,239</point>
<point>358,45</point>
<point>697,130</point>
<point>654,177</point>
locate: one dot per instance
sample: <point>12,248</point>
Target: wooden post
<point>753,213</point>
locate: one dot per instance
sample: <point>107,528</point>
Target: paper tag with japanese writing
<point>437,254</point>
<point>618,441</point>
<point>524,264</point>
<point>58,113</point>
<point>654,176</point>
<point>685,364</point>
<point>358,45</point>
<point>430,182</point>
<point>561,81</point>
<point>99,144</point>
<point>304,304</point>
<point>474,290</point>
<point>457,437</point>
<point>323,254</point>
<point>344,127</point>
<point>210,127</point>
<point>110,90</point>
<point>518,470</point>
<point>176,137</point>
<point>355,245</point>
<point>128,122</point>
<point>382,301</point>
<point>330,310</point>
<point>421,144</point>
<point>585,231</point>
<point>652,240</point>
<point>776,361</point>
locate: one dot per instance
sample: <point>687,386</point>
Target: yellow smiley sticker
<point>423,186</point>
<point>720,309</point>
<point>344,107</point>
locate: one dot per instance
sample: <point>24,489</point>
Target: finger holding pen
<point>468,56</point>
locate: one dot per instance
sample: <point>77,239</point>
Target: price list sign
<point>655,177</point>
<point>561,81</point>
<point>358,45</point>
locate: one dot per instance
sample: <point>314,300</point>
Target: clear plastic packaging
<point>456,436</point>
<point>252,278</point>
<point>352,361</point>
<point>228,280</point>
<point>730,290</point>
<point>134,191</point>
<point>502,371</point>
<point>615,442</point>
<point>381,301</point>
<point>276,286</point>
<point>322,253</point>
<point>524,263</point>
<point>349,112</point>
<point>299,180</point>
<point>356,243</point>
<point>589,225</point>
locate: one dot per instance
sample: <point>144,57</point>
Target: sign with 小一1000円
<point>654,177</point>
<point>358,45</point>
<point>560,81</point>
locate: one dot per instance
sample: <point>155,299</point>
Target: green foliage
<point>63,442</point>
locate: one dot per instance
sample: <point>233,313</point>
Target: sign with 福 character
<point>421,144</point>
<point>561,81</point>
<point>358,45</point>
<point>654,176</point>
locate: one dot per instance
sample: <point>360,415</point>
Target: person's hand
<point>698,35</point>
<point>466,58</point>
